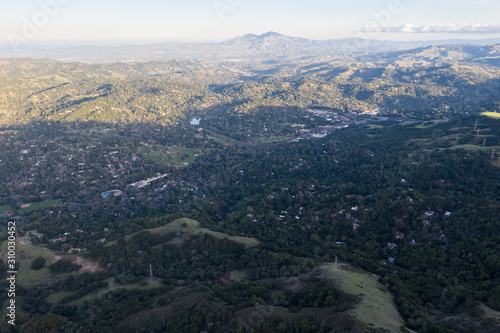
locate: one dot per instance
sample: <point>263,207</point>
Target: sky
<point>36,22</point>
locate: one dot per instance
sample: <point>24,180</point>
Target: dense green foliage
<point>38,263</point>
<point>165,92</point>
<point>414,201</point>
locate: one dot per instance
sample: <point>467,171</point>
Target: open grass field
<point>218,140</point>
<point>112,286</point>
<point>461,129</point>
<point>179,157</point>
<point>408,123</point>
<point>25,255</point>
<point>491,114</point>
<point>56,298</point>
<point>40,205</point>
<point>94,131</point>
<point>377,307</point>
<point>420,141</point>
<point>431,123</point>
<point>272,139</point>
<point>194,228</point>
<point>248,242</point>
<point>221,139</point>
<point>174,156</point>
<point>5,208</point>
<point>476,148</point>
<point>156,157</point>
<point>27,278</point>
<point>374,126</point>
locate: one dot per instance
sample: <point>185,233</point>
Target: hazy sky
<point>34,21</point>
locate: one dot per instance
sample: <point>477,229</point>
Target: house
<point>274,196</point>
<point>447,214</point>
<point>400,235</point>
<point>6,214</point>
<point>441,237</point>
<point>392,246</point>
<point>392,260</point>
<point>429,213</point>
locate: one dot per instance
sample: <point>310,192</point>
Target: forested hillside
<point>168,91</point>
<point>287,196</point>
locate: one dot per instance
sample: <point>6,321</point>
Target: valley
<point>318,193</point>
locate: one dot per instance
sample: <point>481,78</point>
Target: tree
<point>49,323</point>
<point>38,263</point>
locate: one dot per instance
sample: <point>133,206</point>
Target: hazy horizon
<point>76,23</point>
<point>63,44</point>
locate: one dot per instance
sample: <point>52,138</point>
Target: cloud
<point>468,28</point>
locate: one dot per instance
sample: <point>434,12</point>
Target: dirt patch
<point>89,265</point>
<point>25,242</point>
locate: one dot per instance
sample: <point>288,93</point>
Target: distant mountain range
<point>453,53</point>
<point>273,45</point>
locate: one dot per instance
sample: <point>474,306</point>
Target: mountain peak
<point>253,38</point>
<point>271,34</point>
<point>248,36</point>
<point>262,36</point>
